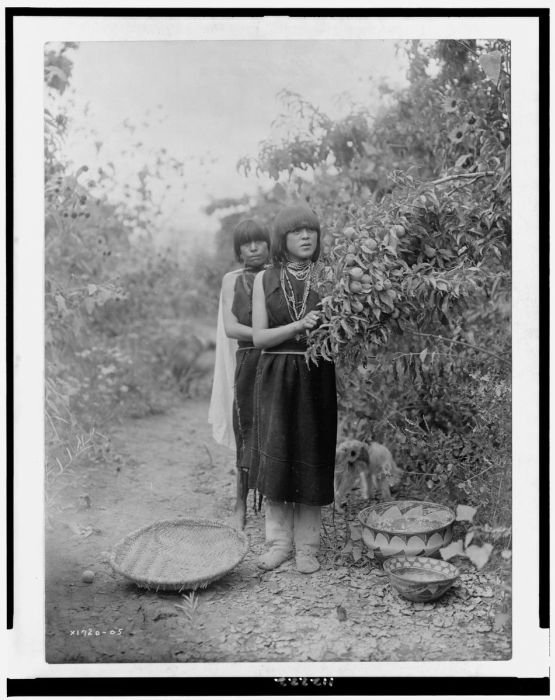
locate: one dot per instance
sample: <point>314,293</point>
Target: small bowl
<point>413,528</point>
<point>420,579</point>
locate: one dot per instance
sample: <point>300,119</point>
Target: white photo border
<point>26,641</point>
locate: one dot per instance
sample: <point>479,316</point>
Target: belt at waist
<point>245,345</point>
<point>289,346</point>
<point>284,352</point>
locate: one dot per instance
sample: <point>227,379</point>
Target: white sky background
<point>208,103</point>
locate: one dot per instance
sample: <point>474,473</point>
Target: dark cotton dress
<point>296,411</point>
<point>245,376</point>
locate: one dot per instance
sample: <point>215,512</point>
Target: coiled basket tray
<point>178,555</point>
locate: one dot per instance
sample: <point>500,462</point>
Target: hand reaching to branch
<point>309,321</point>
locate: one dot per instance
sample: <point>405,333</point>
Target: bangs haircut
<point>248,231</point>
<point>290,219</point>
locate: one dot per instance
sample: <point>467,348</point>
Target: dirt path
<point>172,468</point>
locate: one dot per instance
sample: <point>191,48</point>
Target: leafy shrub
<point>415,206</point>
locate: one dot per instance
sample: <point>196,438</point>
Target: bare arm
<point>264,337</point>
<point>233,329</point>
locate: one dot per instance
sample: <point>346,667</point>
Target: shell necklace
<point>301,270</point>
<point>297,309</point>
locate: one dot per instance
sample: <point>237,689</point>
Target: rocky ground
<point>168,466</point>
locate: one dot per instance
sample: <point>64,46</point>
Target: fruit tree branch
<point>460,342</point>
<point>461,176</point>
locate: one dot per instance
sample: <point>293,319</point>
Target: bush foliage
<point>118,307</point>
<point>415,205</point>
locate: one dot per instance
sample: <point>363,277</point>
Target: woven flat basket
<point>177,555</point>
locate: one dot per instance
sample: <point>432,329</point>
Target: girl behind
<point>251,241</point>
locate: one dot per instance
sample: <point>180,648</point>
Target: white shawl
<point>221,402</point>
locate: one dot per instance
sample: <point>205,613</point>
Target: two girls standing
<point>288,450</point>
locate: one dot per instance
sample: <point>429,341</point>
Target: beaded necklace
<point>297,309</point>
<point>301,269</point>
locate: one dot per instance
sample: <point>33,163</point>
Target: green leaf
<point>348,330</point>
<point>491,64</point>
<point>54,70</point>
<point>465,513</point>
<point>507,100</point>
<point>61,302</point>
<point>479,556</point>
<point>89,305</point>
<point>452,550</point>
<point>348,548</point>
<point>400,368</point>
<point>461,161</point>
<point>385,298</point>
<point>500,621</point>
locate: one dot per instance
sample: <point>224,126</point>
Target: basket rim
<point>183,583</point>
<point>416,559</point>
<point>408,533</point>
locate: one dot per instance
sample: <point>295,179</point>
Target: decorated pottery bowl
<point>413,528</point>
<point>420,578</point>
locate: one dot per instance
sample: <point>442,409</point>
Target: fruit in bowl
<point>413,528</point>
<point>420,579</point>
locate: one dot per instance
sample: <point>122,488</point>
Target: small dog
<point>371,465</point>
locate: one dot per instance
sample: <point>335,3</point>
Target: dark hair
<point>290,219</point>
<point>247,231</point>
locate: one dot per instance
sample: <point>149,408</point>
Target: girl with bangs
<point>251,243</point>
<point>296,403</point>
